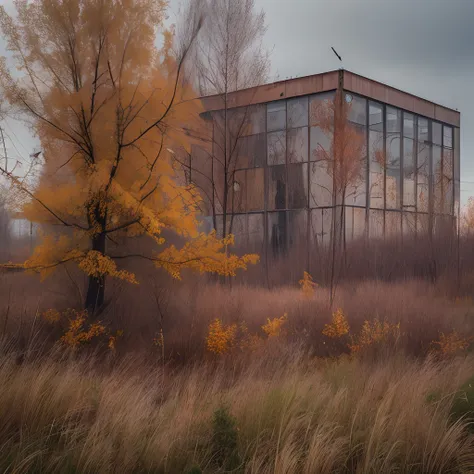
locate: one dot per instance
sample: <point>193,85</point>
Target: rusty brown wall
<point>327,82</point>
<point>391,96</point>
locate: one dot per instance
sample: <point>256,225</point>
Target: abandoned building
<point>293,179</point>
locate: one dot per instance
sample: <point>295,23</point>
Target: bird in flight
<point>340,59</point>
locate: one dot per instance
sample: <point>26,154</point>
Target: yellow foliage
<point>77,332</point>
<point>274,327</point>
<point>373,333</point>
<point>51,316</point>
<point>105,125</point>
<point>113,340</point>
<point>220,337</point>
<point>338,327</point>
<point>307,284</point>
<point>206,253</point>
<point>97,264</point>
<point>450,344</point>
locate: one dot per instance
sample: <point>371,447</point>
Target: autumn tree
<point>344,161</point>
<point>227,56</point>
<point>106,104</point>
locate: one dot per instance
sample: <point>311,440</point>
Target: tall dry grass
<point>184,311</point>
<point>288,413</point>
<point>298,403</point>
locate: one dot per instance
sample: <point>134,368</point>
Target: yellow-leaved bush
<point>223,338</point>
<point>78,330</point>
<point>372,333</point>
<point>79,333</point>
<point>450,344</point>
<point>220,338</point>
<point>338,327</point>
<point>275,327</point>
<point>307,285</point>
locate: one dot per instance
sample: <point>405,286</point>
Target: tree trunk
<point>96,285</point>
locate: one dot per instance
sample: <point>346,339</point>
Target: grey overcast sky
<point>425,47</point>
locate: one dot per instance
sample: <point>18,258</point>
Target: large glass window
<point>297,229</point>
<point>447,136</point>
<point>359,221</point>
<point>237,202</point>
<point>321,106</point>
<point>355,164</point>
<point>376,223</point>
<point>408,125</point>
<point>322,123</point>
<point>392,158</point>
<point>392,185</point>
<point>376,156</point>
<point>297,145</point>
<point>218,135</point>
<point>256,232</point>
<point>321,142</point>
<point>393,222</point>
<point>409,174</point>
<point>297,112</point>
<point>423,174</point>
<point>409,223</point>
<point>354,223</point>
<point>297,186</point>
<point>411,164</point>
<point>276,116</point>
<point>375,117</point>
<point>422,224</point>
<point>321,177</point>
<point>321,227</point>
<point>220,224</point>
<point>321,185</point>
<point>255,189</point>
<point>277,233</point>
<point>437,135</point>
<point>277,187</point>
<point>393,120</point>
<point>255,122</point>
<point>201,161</point>
<point>423,130</point>
<point>238,227</point>
<point>447,184</point>
<point>237,124</point>
<point>437,180</point>
<point>357,109</point>
<point>276,148</point>
<point>251,151</point>
<point>377,165</point>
